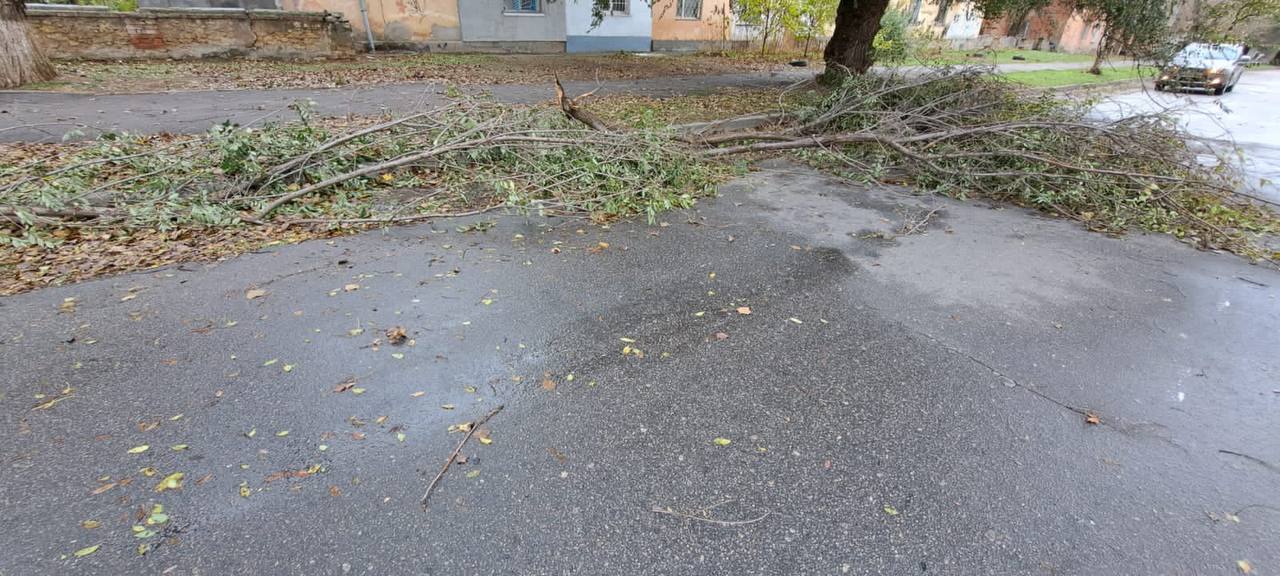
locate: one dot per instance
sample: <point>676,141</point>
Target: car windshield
<point>1195,52</point>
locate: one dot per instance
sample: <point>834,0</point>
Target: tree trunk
<point>849,50</point>
<point>21,61</point>
<point>1096,69</point>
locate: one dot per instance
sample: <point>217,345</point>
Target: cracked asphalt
<point>894,404</point>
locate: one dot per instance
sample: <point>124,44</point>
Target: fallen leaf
<point>396,336</point>
<point>473,473</point>
<point>357,436</point>
<point>357,390</point>
<point>179,447</point>
<point>398,356</point>
<point>205,478</point>
<point>271,361</point>
<point>282,433</point>
<point>81,553</point>
<point>254,293</point>
<point>345,385</point>
<point>744,310</point>
<point>548,384</point>
<point>171,482</point>
<point>417,394</point>
<point>355,331</point>
<point>890,510</point>
<point>288,367</point>
<point>795,320</point>
<point>149,471</point>
<point>448,406</point>
<point>351,287</point>
<point>722,441</point>
<point>721,336</point>
<point>1242,565</point>
<point>103,488</point>
<point>334,491</point>
<point>139,449</point>
<point>1092,418</point>
<point>400,436</point>
<point>90,524</point>
<point>486,441</point>
<point>244,489</point>
<point>251,433</point>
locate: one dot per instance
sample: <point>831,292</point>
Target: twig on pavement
<point>474,426</point>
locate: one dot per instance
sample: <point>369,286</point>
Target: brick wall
<point>1040,29</point>
<point>81,33</point>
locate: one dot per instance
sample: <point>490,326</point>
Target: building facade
<point>690,25</point>
<point>627,26</point>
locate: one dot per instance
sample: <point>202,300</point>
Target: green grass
<point>1006,57</point>
<point>1057,78</point>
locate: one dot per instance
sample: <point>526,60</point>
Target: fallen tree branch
<point>571,108</point>
<point>454,455</point>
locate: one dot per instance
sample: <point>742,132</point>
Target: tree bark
<point>849,50</point>
<point>1096,69</point>
<point>21,61</point>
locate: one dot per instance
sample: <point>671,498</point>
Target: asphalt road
<point>893,404</point>
<point>1242,124</point>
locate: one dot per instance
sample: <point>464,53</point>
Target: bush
<point>892,43</point>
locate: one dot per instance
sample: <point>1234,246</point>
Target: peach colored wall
<point>1080,35</point>
<point>713,26</point>
<point>408,21</point>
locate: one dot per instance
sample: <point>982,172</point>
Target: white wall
<point>637,23</point>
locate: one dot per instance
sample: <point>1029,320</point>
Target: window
<point>689,9</point>
<point>524,6</point>
<point>618,7</point>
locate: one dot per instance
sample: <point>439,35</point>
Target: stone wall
<point>82,33</point>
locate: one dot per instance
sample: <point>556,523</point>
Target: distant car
<point>1210,67</point>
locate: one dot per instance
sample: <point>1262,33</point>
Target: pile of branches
<point>961,132</point>
<point>965,132</point>
<point>466,157</point>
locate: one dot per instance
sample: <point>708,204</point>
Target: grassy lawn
<point>1056,78</point>
<point>1006,57</point>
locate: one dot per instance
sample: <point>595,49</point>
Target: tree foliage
<point>1228,20</point>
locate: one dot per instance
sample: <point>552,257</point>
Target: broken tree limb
<point>573,109</point>
<point>454,455</point>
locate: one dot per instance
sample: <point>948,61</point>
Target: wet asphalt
<point>894,404</point>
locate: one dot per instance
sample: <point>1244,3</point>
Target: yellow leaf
<point>744,310</point>
<point>417,394</point>
<point>486,440</point>
<point>723,441</point>
<point>148,471</point>
<point>139,449</point>
<point>171,482</point>
<point>81,553</point>
<point>255,293</point>
<point>179,447</point>
<point>244,490</point>
<point>1243,565</point>
<point>90,524</point>
<point>282,433</point>
<point>448,406</point>
<point>271,361</point>
<point>288,367</point>
<point>351,287</point>
<point>890,510</point>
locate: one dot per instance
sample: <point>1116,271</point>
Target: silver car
<point>1210,67</point>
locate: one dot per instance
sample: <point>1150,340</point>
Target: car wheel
<point>1219,90</point>
<point>1231,87</point>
